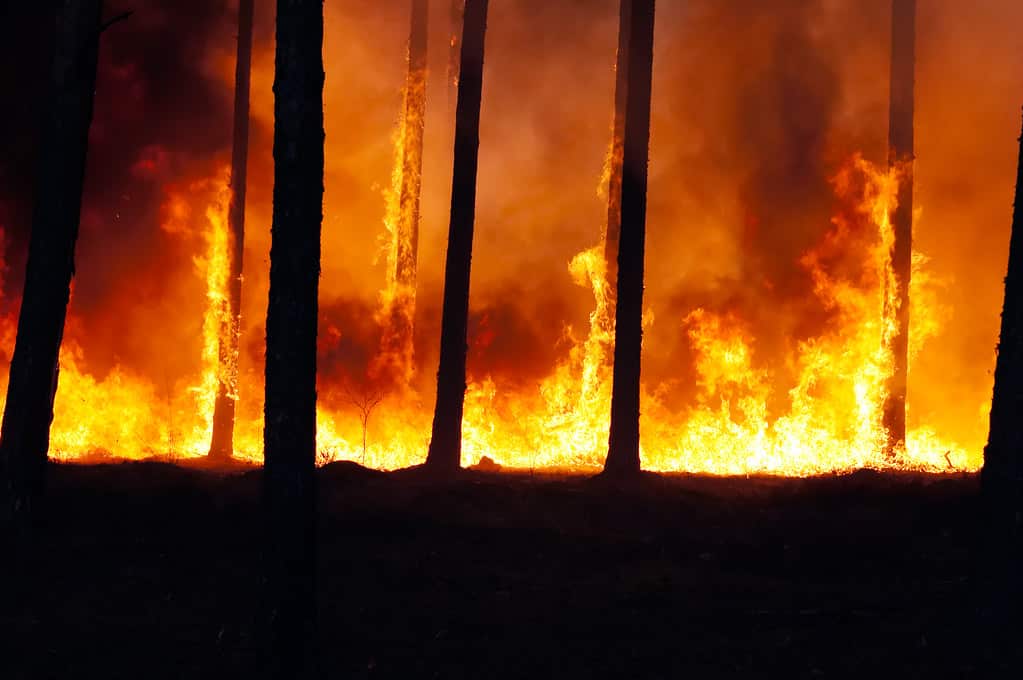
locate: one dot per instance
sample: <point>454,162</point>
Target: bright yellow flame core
<point>831,420</point>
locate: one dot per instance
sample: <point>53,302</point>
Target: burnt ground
<point>148,570</point>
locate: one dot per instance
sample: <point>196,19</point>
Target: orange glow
<point>832,422</point>
<point>764,327</point>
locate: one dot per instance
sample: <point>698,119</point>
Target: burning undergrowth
<point>765,258</point>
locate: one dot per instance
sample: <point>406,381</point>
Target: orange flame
<point>831,420</point>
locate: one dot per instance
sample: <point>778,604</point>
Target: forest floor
<point>149,570</point>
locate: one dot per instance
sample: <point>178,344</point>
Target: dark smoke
<point>762,93</point>
<point>162,118</point>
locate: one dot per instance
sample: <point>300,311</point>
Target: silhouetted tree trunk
<point>222,442</point>
<point>1002,476</point>
<point>290,407</point>
<point>25,432</point>
<point>446,440</point>
<point>900,154</point>
<point>623,444</point>
<point>614,180</point>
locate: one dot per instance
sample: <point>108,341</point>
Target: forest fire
<point>526,338</point>
<point>833,421</point>
<point>788,377</point>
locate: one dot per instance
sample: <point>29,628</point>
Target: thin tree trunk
<point>25,432</point>
<point>222,442</point>
<point>396,358</point>
<point>900,155</point>
<point>617,157</point>
<point>623,442</point>
<point>290,407</point>
<point>412,163</point>
<point>446,441</point>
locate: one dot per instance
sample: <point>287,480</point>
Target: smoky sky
<point>756,105</point>
<point>161,117</point>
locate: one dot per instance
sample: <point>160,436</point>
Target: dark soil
<point>148,570</point>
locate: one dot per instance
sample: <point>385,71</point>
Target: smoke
<point>756,106</point>
<point>161,122</point>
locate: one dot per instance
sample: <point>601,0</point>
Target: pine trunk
<point>290,406</point>
<point>623,444</point>
<point>222,442</point>
<point>446,441</point>
<point>397,356</point>
<point>614,176</point>
<point>1002,476</point>
<point>412,163</point>
<point>25,432</point>
<point>900,156</point>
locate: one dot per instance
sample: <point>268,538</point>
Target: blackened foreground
<point>149,570</point>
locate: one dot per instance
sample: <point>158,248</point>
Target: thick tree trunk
<point>623,444</point>
<point>1002,476</point>
<point>446,441</point>
<point>25,432</point>
<point>617,156</point>
<point>900,155</point>
<point>290,407</point>
<point>222,442</point>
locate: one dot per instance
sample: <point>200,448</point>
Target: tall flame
<point>829,420</point>
<point>395,362</point>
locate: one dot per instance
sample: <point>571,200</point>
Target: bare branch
<point>110,22</point>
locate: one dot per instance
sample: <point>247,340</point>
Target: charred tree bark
<point>900,156</point>
<point>25,432</point>
<point>623,445</point>
<point>446,440</point>
<point>617,156</point>
<point>222,442</point>
<point>290,407</point>
<point>1002,475</point>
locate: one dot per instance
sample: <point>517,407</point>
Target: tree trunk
<point>900,155</point>
<point>25,432</point>
<point>623,443</point>
<point>446,441</point>
<point>396,359</point>
<point>617,157</point>
<point>290,407</point>
<point>412,163</point>
<point>222,442</point>
<point>1002,476</point>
